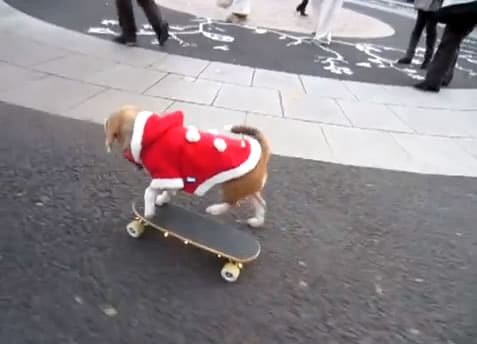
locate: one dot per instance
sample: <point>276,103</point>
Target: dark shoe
<point>122,39</point>
<point>424,86</point>
<point>405,60</point>
<point>164,34</point>
<point>446,83</point>
<point>301,9</point>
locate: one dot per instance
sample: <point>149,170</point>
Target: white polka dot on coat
<point>220,144</point>
<point>192,135</point>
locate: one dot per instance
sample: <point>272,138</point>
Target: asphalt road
<point>368,60</point>
<point>350,255</point>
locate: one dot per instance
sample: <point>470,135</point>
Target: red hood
<point>157,125</point>
<point>150,127</point>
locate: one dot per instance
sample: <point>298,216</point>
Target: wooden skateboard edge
<point>196,244</point>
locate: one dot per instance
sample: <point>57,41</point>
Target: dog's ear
<point>111,131</point>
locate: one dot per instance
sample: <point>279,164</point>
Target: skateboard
<point>226,242</point>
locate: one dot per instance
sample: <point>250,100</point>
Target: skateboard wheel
<point>230,272</point>
<point>135,229</point>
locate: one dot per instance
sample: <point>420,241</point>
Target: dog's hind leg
<point>163,198</point>
<point>218,209</point>
<point>259,205</point>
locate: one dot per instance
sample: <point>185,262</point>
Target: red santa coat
<point>180,157</point>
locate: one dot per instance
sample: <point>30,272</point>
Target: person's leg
<point>431,36</point>
<point>449,74</point>
<point>414,39</point>
<point>153,14</point>
<point>441,68</point>
<point>328,11</point>
<point>126,22</point>
<point>239,11</point>
<point>301,8</point>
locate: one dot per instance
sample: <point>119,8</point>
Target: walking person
<point>426,17</point>
<point>460,17</point>
<point>326,11</point>
<point>128,23</point>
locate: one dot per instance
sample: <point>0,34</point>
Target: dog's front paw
<point>163,198</point>
<point>256,222</point>
<point>149,211</point>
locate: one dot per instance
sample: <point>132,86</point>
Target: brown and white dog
<point>180,157</point>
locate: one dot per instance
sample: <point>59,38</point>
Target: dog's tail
<point>256,134</point>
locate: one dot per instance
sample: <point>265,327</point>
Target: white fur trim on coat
<point>245,167</point>
<point>167,183</point>
<point>220,144</point>
<point>138,131</point>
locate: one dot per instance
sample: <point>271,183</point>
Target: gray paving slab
<point>250,99</point>
<point>286,83</point>
<point>133,56</point>
<point>313,108</point>
<point>437,154</point>
<point>469,145</point>
<point>371,93</point>
<point>185,88</point>
<point>324,87</point>
<point>451,99</point>
<point>372,116</point>
<point>78,67</point>
<point>438,122</point>
<point>22,52</point>
<point>51,94</point>
<point>366,148</point>
<point>180,65</point>
<point>228,73</point>
<point>12,76</point>
<point>97,108</point>
<point>207,117</point>
<point>128,78</point>
<point>288,136</point>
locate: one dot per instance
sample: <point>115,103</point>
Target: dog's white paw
<point>149,214</point>
<point>149,211</point>
<point>217,209</point>
<point>256,222</point>
<point>163,198</point>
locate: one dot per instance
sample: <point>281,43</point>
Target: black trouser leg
<point>449,74</point>
<point>153,14</point>
<point>441,69</point>
<point>302,7</point>
<point>126,18</point>
<point>416,34</point>
<point>431,36</point>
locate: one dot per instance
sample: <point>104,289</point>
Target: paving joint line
<point>330,148</point>
<point>154,84</point>
<point>302,83</point>
<point>343,112</point>
<point>82,101</point>
<point>280,99</point>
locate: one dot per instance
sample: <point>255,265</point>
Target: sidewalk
<point>74,75</point>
